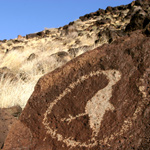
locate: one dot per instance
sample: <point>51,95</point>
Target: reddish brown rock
<point>7,117</point>
<point>19,37</point>
<point>98,101</point>
<point>22,139</point>
<point>138,21</point>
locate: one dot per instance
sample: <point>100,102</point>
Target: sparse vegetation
<point>9,43</point>
<point>35,56</point>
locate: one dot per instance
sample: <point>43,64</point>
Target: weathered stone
<point>5,40</point>
<point>19,37</point>
<point>41,34</point>
<point>14,111</point>
<point>108,9</point>
<point>71,23</point>
<point>122,7</point>
<point>141,2</point>
<point>31,57</point>
<point>86,17</point>
<point>100,12</point>
<point>18,48</point>
<point>47,32</point>
<point>102,21</point>
<point>98,101</point>
<point>25,137</point>
<point>108,35</point>
<point>137,21</point>
<point>61,56</point>
<point>7,117</point>
<point>35,35</point>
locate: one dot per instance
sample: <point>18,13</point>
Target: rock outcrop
<point>7,117</point>
<point>99,100</point>
<point>35,35</point>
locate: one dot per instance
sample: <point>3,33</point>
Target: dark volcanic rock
<point>31,57</point>
<point>137,22</point>
<point>109,35</point>
<point>41,34</point>
<point>98,101</point>
<point>91,15</point>
<point>109,9</point>
<point>102,21</point>
<point>147,30</point>
<point>32,35</point>
<point>35,35</point>
<point>139,15</point>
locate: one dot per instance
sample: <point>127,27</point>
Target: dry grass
<point>14,59</point>
<point>17,92</point>
<point>28,72</point>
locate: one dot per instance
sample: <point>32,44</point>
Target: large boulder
<point>35,35</point>
<point>98,101</point>
<point>7,117</point>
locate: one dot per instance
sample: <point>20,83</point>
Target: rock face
<point>7,117</point>
<point>99,100</point>
<point>35,35</point>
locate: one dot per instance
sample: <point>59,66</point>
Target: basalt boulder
<point>138,21</point>
<point>35,35</point>
<point>7,117</point>
<point>97,101</point>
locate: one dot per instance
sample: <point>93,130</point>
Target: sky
<point>21,17</point>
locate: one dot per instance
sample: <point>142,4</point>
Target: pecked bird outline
<point>99,103</point>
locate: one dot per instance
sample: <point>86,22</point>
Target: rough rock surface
<point>73,123</point>
<point>99,100</point>
<point>7,117</point>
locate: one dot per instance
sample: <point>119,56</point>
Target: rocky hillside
<point>105,89</point>
<point>25,59</point>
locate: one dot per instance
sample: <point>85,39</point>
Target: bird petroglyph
<point>95,107</point>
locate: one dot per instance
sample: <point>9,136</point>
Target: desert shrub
<point>73,34</point>
<point>17,92</point>
<point>71,28</point>
<point>14,59</point>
